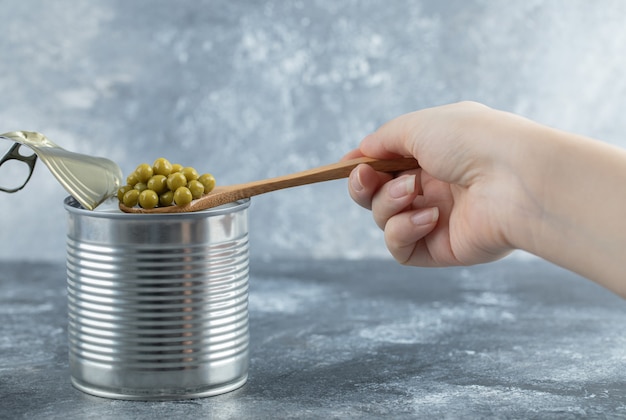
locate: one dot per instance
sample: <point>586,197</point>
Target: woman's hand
<point>452,210</point>
<point>491,182</point>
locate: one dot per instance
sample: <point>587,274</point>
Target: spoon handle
<point>230,193</point>
<point>323,173</point>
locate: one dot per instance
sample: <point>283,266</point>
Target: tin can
<point>158,303</point>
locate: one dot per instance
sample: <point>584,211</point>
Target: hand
<point>491,182</point>
<point>452,210</point>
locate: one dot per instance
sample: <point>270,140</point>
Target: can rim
<point>73,206</point>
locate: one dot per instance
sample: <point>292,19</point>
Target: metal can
<point>158,303</point>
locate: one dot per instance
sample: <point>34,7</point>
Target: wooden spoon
<point>227,194</point>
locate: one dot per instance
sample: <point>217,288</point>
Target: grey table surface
<point>360,339</point>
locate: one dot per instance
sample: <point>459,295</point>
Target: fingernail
<point>425,217</point>
<point>355,181</point>
<point>402,186</point>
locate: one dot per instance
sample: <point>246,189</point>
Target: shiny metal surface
<point>158,304</point>
<point>90,180</point>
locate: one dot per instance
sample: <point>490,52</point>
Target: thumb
<point>393,139</point>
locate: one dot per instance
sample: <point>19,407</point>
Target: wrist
<point>531,161</point>
<point>573,209</point>
<point>516,170</point>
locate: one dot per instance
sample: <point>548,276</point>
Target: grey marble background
<point>252,89</point>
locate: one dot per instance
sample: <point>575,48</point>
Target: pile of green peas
<point>164,184</point>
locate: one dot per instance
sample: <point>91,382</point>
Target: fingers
<point>364,182</point>
<point>381,193</point>
<point>393,197</point>
<point>398,209</point>
<point>404,234</point>
<point>392,201</point>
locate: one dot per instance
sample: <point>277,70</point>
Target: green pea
<point>141,186</point>
<point>190,173</point>
<point>166,199</point>
<point>121,191</point>
<point>182,196</point>
<point>148,199</point>
<point>177,167</point>
<point>176,180</point>
<point>208,181</point>
<point>132,179</point>
<point>162,166</point>
<point>131,198</point>
<point>158,184</point>
<point>144,172</point>
<point>196,188</point>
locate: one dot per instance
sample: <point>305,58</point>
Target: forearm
<point>579,185</point>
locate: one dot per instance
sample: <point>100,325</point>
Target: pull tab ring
<point>14,154</point>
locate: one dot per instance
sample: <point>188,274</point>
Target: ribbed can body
<point>158,304</point>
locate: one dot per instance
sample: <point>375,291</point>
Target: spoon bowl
<point>227,194</point>
<point>90,180</point>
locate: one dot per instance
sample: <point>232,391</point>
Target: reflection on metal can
<point>158,303</point>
